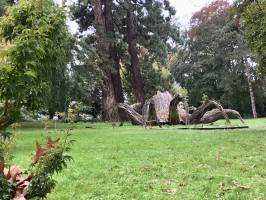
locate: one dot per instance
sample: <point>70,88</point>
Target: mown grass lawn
<point>130,162</point>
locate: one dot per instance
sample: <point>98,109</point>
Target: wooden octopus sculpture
<point>163,108</point>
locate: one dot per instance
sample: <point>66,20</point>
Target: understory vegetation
<point>131,162</point>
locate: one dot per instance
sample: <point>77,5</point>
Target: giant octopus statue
<point>163,108</point>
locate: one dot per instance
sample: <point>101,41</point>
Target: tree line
<point>126,51</point>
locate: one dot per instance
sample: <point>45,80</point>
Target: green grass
<point>130,162</point>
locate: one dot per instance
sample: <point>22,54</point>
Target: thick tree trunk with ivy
<point>134,67</point>
<point>109,109</point>
<point>108,92</point>
<point>113,53</point>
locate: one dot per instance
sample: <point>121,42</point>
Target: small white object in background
<point>55,118</point>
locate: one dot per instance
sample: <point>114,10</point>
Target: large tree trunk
<point>108,93</point>
<point>109,107</point>
<point>113,53</point>
<point>134,68</point>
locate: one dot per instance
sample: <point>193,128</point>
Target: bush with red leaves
<point>47,159</point>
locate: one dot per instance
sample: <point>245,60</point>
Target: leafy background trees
<point>35,45</point>
<point>216,61</point>
<point>133,53</point>
<point>253,23</point>
<point>211,58</point>
<point>126,51</point>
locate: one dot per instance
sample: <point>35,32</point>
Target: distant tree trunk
<point>108,94</point>
<point>252,98</point>
<point>251,93</point>
<point>134,68</point>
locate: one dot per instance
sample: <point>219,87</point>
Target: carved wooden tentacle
<point>195,117</point>
<point>137,107</point>
<point>173,112</point>
<point>133,115</point>
<point>148,112</point>
<point>216,114</point>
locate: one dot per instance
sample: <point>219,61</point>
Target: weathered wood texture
<point>135,117</point>
<point>174,117</point>
<point>163,108</point>
<point>216,114</point>
<point>195,117</point>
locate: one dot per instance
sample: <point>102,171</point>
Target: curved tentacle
<point>148,111</point>
<point>173,112</point>
<point>195,117</point>
<point>216,114</point>
<point>133,115</point>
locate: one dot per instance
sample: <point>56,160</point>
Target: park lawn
<point>131,162</point>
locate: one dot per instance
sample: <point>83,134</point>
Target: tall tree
<point>98,15</point>
<point>104,47</point>
<point>134,66</point>
<point>113,52</point>
<point>148,29</point>
<point>36,40</point>
<point>214,60</point>
<point>131,27</point>
<point>253,24</point>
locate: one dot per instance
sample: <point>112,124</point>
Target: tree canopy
<point>35,42</point>
<point>253,23</point>
<point>214,60</point>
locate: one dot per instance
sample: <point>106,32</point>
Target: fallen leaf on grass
<point>170,191</point>
<point>243,161</point>
<point>167,181</point>
<point>202,166</point>
<point>253,166</point>
<point>243,187</point>
<point>243,169</point>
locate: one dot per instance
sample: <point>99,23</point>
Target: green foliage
<point>176,89</point>
<point>6,189</point>
<point>154,33</point>
<point>3,4</point>
<point>36,41</point>
<point>53,162</point>
<point>35,45</point>
<point>214,60</point>
<point>86,77</point>
<point>253,22</point>
<point>50,159</point>
<point>204,98</point>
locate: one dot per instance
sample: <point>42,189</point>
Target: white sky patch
<point>186,8</point>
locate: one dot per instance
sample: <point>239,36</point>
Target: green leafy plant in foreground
<point>48,159</point>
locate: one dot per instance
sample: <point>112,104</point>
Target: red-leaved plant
<point>47,159</point>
